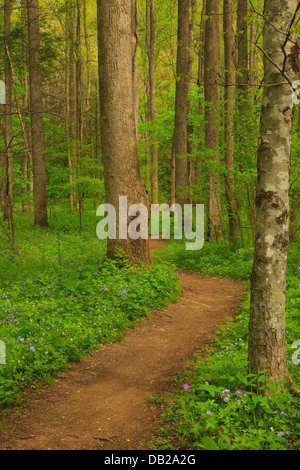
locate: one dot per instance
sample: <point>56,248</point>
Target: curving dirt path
<point>101,403</point>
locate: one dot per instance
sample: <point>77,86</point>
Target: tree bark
<point>200,83</point>
<point>214,228</point>
<point>266,349</point>
<point>36,116</point>
<point>152,105</point>
<point>117,122</point>
<point>182,83</point>
<point>190,126</point>
<point>135,77</point>
<point>8,201</point>
<point>229,100</point>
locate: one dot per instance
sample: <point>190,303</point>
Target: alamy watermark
<point>160,215</point>
<point>2,353</point>
<point>295,359</point>
<point>296,92</point>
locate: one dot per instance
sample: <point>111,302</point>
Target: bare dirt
<point>103,401</point>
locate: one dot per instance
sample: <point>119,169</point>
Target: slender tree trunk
<point>79,120</point>
<point>190,126</point>
<point>266,349</point>
<point>71,101</point>
<point>242,78</point>
<point>117,122</point>
<point>211,116</point>
<point>229,121</point>
<point>242,46</point>
<point>36,116</point>
<point>135,78</point>
<point>8,203</point>
<point>200,83</point>
<point>152,104</point>
<point>182,83</point>
<point>252,63</point>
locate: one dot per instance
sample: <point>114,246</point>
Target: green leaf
<point>209,443</point>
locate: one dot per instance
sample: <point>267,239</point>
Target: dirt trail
<point>101,403</point>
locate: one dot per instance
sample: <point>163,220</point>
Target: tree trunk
<point>190,126</point>
<point>152,107</point>
<point>117,122</point>
<point>242,46</point>
<point>135,78</point>
<point>71,100</point>
<point>36,116</point>
<point>268,280</point>
<point>79,120</point>
<point>211,116</point>
<point>182,83</point>
<point>242,78</point>
<point>200,83</point>
<point>229,121</point>
<point>8,201</point>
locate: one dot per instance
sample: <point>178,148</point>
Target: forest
<point>131,338</point>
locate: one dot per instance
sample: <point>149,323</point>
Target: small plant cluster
<point>220,405</point>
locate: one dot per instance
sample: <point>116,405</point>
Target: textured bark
<point>182,83</point>
<point>117,121</point>
<point>8,201</point>
<point>229,99</point>
<point>190,127</point>
<point>71,100</point>
<point>242,78</point>
<point>268,279</point>
<point>211,116</point>
<point>79,120</point>
<point>242,46</point>
<point>135,77</point>
<point>36,116</point>
<point>200,83</point>
<point>152,99</point>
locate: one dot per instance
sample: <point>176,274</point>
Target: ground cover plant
<point>61,298</point>
<point>217,407</point>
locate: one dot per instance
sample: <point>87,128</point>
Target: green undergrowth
<point>216,407</point>
<point>61,299</point>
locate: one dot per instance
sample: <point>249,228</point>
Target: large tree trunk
<point>211,116</point>
<point>182,84</point>
<point>36,116</point>
<point>229,121</point>
<point>117,122</point>
<point>268,279</point>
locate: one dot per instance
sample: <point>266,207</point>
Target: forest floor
<point>104,401</point>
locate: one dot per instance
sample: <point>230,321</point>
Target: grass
<point>216,407</point>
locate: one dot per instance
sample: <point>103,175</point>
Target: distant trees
<point>197,83</point>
